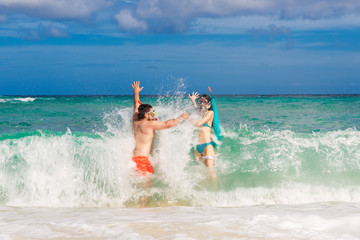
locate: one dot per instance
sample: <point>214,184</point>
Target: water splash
<point>255,165</point>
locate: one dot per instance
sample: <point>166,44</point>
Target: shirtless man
<point>144,126</point>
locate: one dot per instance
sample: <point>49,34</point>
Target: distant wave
<point>17,99</point>
<point>26,99</point>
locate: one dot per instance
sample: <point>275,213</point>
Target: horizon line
<point>157,95</point>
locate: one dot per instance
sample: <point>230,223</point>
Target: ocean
<point>288,167</point>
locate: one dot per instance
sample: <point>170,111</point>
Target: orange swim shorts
<point>143,164</point>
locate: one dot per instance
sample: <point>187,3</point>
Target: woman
<point>205,150</point>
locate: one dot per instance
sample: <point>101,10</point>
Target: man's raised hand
<point>136,87</point>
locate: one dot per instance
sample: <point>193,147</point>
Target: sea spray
<point>81,155</point>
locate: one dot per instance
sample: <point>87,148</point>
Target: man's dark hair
<point>207,97</point>
<point>143,108</point>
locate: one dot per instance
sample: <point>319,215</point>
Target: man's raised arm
<point>137,90</point>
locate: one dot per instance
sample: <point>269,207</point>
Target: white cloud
<point>126,21</point>
<point>241,25</point>
<point>52,31</point>
<point>177,16</point>
<point>32,35</point>
<point>169,16</point>
<point>42,31</point>
<point>272,30</point>
<point>54,9</point>
<point>3,18</point>
<point>288,9</point>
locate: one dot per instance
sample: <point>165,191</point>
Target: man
<point>145,125</point>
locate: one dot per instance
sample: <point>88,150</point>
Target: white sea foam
<point>64,171</point>
<point>303,221</point>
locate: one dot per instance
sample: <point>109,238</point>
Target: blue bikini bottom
<point>201,147</point>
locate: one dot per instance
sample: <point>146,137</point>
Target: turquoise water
<point>86,114</point>
<point>75,151</point>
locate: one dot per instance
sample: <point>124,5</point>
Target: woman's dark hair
<point>143,108</point>
<point>207,97</point>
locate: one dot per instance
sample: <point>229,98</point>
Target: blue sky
<point>56,47</point>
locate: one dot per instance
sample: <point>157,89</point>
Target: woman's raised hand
<point>194,96</point>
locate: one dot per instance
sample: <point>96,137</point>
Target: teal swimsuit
<point>201,147</point>
<point>207,125</point>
